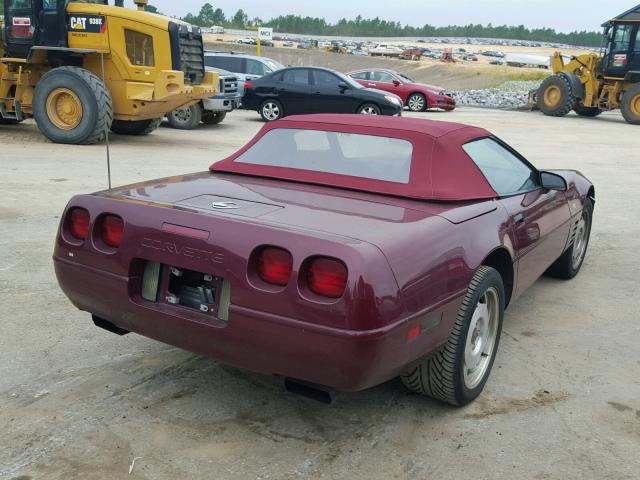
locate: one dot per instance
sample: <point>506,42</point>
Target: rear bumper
<point>345,360</point>
<point>222,103</point>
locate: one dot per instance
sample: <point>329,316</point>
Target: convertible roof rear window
<point>365,156</point>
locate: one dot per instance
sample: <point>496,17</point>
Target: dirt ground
<point>76,402</point>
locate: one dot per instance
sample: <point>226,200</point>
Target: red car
<point>336,251</point>
<point>417,96</point>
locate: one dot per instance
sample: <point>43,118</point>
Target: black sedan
<point>303,90</point>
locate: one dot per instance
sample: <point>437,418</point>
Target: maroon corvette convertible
<point>335,251</point>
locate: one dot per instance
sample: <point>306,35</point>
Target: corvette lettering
<point>181,250</point>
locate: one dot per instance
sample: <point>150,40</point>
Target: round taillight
<point>327,277</point>
<point>112,228</point>
<point>79,220</point>
<point>275,265</point>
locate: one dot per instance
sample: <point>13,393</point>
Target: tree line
<point>375,27</point>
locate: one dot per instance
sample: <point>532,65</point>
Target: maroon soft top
<point>440,168</point>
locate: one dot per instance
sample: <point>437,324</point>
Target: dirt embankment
<point>460,76</point>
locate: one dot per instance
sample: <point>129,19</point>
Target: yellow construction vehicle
<point>592,83</point>
<point>335,47</point>
<point>81,68</point>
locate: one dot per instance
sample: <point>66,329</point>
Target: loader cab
<point>622,44</point>
<point>622,52</point>
<point>31,23</point>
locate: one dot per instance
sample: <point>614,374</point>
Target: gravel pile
<point>510,95</point>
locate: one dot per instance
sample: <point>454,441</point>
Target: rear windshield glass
<point>365,156</point>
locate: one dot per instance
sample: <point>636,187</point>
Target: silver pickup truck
<point>211,110</point>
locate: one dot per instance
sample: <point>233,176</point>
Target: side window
<point>636,48</point>
<point>506,173</point>
<point>50,4</point>
<point>18,4</point>
<point>231,64</point>
<point>255,67</point>
<point>360,75</point>
<point>325,79</point>
<point>382,77</point>
<point>298,76</point>
<point>622,38</point>
<point>139,48</point>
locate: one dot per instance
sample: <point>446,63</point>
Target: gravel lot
<point>563,401</point>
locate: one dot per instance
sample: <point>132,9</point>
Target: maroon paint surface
<point>409,263</point>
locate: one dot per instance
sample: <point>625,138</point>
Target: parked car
<point>382,50</point>
<point>288,43</point>
<point>411,54</point>
<point>247,41</point>
<point>335,251</point>
<point>210,111</point>
<point>244,66</point>
<point>417,96</point>
<point>299,90</point>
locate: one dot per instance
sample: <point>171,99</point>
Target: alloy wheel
<point>481,338</point>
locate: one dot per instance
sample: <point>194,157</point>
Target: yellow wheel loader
<point>81,68</point>
<point>591,83</point>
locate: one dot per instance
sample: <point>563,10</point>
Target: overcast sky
<point>563,15</point>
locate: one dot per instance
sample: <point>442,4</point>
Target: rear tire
<point>555,97</point>
<point>631,105</point>
<point>570,262</point>
<point>271,110</point>
<point>136,127</point>
<point>458,372</point>
<point>369,109</point>
<point>185,118</point>
<point>417,102</point>
<point>213,118</point>
<point>583,111</point>
<point>73,106</point>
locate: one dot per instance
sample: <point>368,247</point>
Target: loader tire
<point>71,105</point>
<point>631,105</point>
<point>583,111</point>
<point>555,98</point>
<point>136,127</point>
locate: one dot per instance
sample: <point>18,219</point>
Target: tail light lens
<point>79,220</point>
<point>248,85</point>
<point>112,228</point>
<point>327,277</point>
<point>275,266</point>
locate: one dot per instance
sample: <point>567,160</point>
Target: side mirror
<point>343,86</point>
<point>396,83</point>
<point>552,181</point>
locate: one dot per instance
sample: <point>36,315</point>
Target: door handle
<point>518,218</point>
<point>371,84</point>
